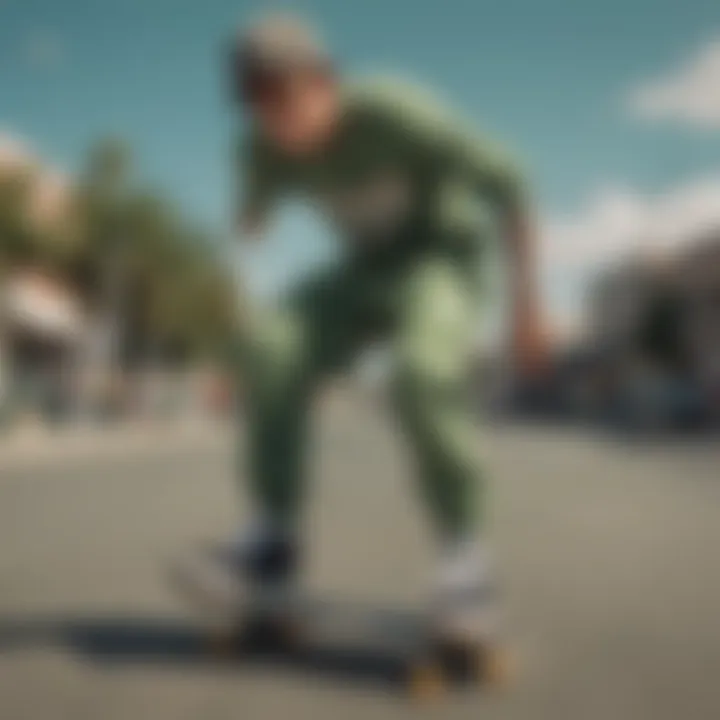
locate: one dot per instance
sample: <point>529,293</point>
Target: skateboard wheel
<point>285,632</point>
<point>495,667</point>
<point>291,632</point>
<point>222,643</point>
<point>426,682</point>
<point>460,661</point>
<point>269,633</point>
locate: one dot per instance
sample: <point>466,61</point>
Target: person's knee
<point>270,352</point>
<point>429,380</point>
<point>416,383</point>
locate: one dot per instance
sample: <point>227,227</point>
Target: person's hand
<point>531,355</point>
<point>529,342</point>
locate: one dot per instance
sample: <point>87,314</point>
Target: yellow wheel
<point>426,682</point>
<point>495,667</point>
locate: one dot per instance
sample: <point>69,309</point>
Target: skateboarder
<point>416,199</point>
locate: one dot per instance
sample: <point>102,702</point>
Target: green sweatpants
<point>426,308</point>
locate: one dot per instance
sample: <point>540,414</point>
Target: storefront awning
<point>41,305</point>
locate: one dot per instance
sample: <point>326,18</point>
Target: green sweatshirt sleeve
<point>490,168</point>
<point>452,146</point>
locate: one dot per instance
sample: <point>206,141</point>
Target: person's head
<point>283,77</point>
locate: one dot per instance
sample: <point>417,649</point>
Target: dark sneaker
<point>227,579</point>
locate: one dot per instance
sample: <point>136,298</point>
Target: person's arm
<point>528,340</point>
<point>496,175</point>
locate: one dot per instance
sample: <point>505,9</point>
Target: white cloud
<point>614,224</point>
<point>688,95</point>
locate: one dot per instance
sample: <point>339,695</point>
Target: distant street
<point>609,553</point>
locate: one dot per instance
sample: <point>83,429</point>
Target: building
<point>698,277</point>
<point>656,330</point>
<point>41,318</point>
<point>42,329</point>
<point>50,189</point>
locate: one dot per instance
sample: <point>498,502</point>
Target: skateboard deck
<point>388,645</point>
<point>355,641</point>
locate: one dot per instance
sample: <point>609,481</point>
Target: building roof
<point>51,188</point>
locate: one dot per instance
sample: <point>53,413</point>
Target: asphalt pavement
<point>608,552</point>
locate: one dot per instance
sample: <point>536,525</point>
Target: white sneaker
<point>465,599</point>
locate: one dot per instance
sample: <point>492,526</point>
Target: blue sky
<point>551,77</point>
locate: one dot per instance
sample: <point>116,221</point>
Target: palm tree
<point>18,242</point>
<point>144,258</point>
<point>143,270</point>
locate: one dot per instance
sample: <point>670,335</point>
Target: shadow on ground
<point>378,658</point>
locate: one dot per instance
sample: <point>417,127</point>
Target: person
<point>416,198</point>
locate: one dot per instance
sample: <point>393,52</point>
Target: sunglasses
<point>253,84</point>
<point>264,87</point>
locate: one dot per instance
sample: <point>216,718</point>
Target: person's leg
<point>434,348</point>
<point>279,358</point>
<point>277,382</point>
<point>283,356</point>
<point>433,399</point>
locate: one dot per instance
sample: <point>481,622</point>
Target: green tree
<point>142,255</point>
<point>18,241</point>
<point>27,238</point>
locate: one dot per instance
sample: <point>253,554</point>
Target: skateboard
<point>354,641</point>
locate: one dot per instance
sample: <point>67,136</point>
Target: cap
<point>279,43</point>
